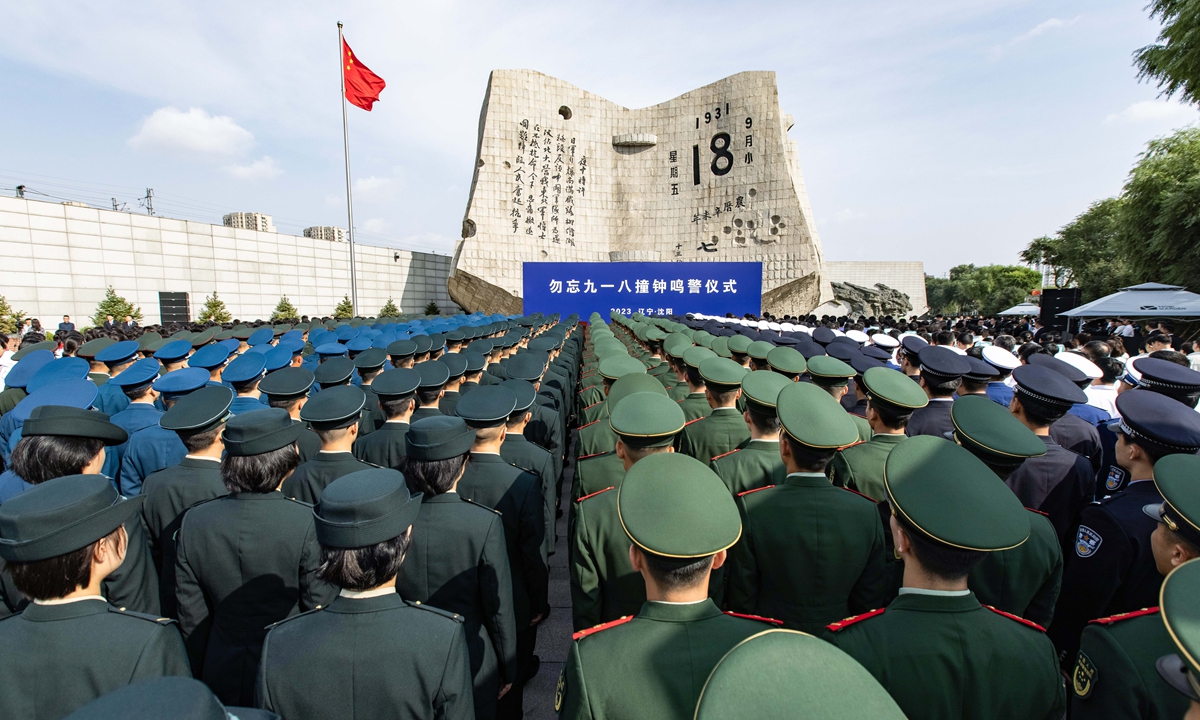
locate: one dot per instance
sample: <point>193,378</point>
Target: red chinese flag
<point>362,85</point>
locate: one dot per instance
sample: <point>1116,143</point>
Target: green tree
<point>986,290</point>
<point>214,310</point>
<point>115,305</point>
<point>344,309</point>
<point>1174,62</point>
<point>941,295</point>
<point>432,309</point>
<point>285,310</point>
<point>389,310</point>
<point>1086,252</point>
<point>1160,216</point>
<point>10,319</point>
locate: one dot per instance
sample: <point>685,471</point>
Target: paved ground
<point>554,635</point>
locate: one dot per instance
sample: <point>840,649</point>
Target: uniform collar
<point>37,612</point>
<point>199,460</point>
<point>669,612</point>
<point>333,456</point>
<point>486,457</point>
<point>514,437</point>
<point>921,602</point>
<point>807,480</point>
<point>932,593</point>
<point>724,410</point>
<point>888,437</point>
<point>365,594</point>
<point>374,603</point>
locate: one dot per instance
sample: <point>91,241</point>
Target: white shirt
<point>1103,397</point>
<point>364,594</point>
<point>936,593</point>
<point>6,363</point>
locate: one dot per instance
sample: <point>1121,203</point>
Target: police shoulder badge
<point>558,691</point>
<point>1087,541</point>
<point>1116,476</point>
<point>1083,678</point>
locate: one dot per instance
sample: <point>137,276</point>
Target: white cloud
<point>262,169</point>
<point>1154,111</point>
<point>193,132</point>
<point>1042,28</point>
<point>375,225</point>
<point>368,186</point>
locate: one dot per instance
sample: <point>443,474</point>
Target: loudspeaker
<point>1057,301</point>
<point>173,307</point>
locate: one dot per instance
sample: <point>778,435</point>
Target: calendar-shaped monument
<point>563,175</point>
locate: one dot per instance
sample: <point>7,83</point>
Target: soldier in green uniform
<point>892,397</point>
<point>60,541</point>
<point>434,376</point>
<point>834,559</point>
<point>457,560</point>
<point>1024,580</point>
<point>396,392</point>
<point>198,419</point>
<point>334,414</point>
<point>1177,598</point>
<point>369,364</point>
<point>287,388</point>
<point>247,559</point>
<point>833,376</point>
<point>777,674</point>
<point>757,353</point>
<point>517,495</point>
<point>518,451</point>
<point>1116,671</point>
<point>674,349</point>
<point>546,426</point>
<point>739,349</point>
<point>756,462</point>
<point>680,520</point>
<point>604,585</point>
<point>456,365</point>
<point>611,369</point>
<point>935,648</point>
<point>402,353</point>
<point>598,441</point>
<point>695,402</point>
<point>724,428</point>
<point>370,653</point>
<point>787,361</point>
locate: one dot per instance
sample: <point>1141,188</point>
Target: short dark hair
<point>393,406</point>
<point>725,396</point>
<point>944,337</point>
<point>38,458</point>
<point>57,576</point>
<point>637,453</point>
<point>433,477</point>
<point>284,403</point>
<point>891,416</point>
<point>1041,413</point>
<point>1111,368</point>
<point>938,558</point>
<point>363,568</point>
<point>974,386</point>
<point>332,435</point>
<point>939,386</point>
<point>244,387</point>
<point>693,376</point>
<point>428,396</point>
<point>676,573</point>
<point>1170,356</point>
<point>762,421</point>
<point>810,459</point>
<point>195,442</point>
<point>258,473</point>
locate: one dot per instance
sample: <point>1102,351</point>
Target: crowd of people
<point>950,517</point>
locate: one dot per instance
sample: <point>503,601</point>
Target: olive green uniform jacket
<point>653,665</point>
<point>950,658</point>
<point>595,438</point>
<point>810,553</point>
<point>1025,580</point>
<point>860,467</point>
<point>367,658</point>
<point>243,562</point>
<point>679,391</point>
<point>753,465</point>
<point>168,494</point>
<point>308,444</point>
<point>57,658</point>
<point>385,447</point>
<point>1115,674</point>
<point>307,482</point>
<point>721,431</point>
<point>518,451</point>
<point>457,562</point>
<point>695,406</point>
<point>517,495</point>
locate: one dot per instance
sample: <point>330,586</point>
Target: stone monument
<point>563,175</point>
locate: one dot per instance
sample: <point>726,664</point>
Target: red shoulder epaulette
<point>725,454</point>
<point>860,442</point>
<point>747,492</point>
<point>689,422</point>
<point>1039,512</point>
<point>843,624</point>
<point>1019,619</point>
<point>589,407</point>
<point>603,626</point>
<point>860,494</point>
<point>759,618</point>
<point>588,457</point>
<point>1123,616</point>
<point>590,495</point>
<point>590,424</point>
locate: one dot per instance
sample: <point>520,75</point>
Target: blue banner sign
<point>651,288</point>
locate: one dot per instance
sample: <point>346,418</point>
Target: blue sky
<point>941,131</point>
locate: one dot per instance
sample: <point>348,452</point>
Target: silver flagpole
<point>349,196</point>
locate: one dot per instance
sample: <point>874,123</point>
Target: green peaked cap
<point>1181,615</point>
<point>829,371</point>
<point>889,387</point>
<point>647,419</point>
<point>1178,479</point>
<point>811,417</point>
<point>787,360</point>
<point>722,372</point>
<point>949,495</point>
<point>720,346</point>
<point>772,674</point>
<point>618,366</point>
<point>627,385</point>
<point>673,505</point>
<point>694,356</point>
<point>761,389</point>
<point>759,349</point>
<point>740,344</point>
<point>990,431</point>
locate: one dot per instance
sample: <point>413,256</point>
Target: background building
<point>249,221</point>
<point>58,259</point>
<point>905,277</point>
<point>326,232</point>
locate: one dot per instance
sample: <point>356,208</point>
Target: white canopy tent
<point>1023,309</point>
<point>1145,300</point>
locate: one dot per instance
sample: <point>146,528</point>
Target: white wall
<point>58,259</point>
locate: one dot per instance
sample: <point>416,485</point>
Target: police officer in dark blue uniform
<point>118,357</point>
<point>243,375</point>
<point>941,371</point>
<point>154,448</point>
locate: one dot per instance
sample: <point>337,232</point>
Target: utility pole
<point>20,191</point>
<point>146,202</point>
<point>349,195</point>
